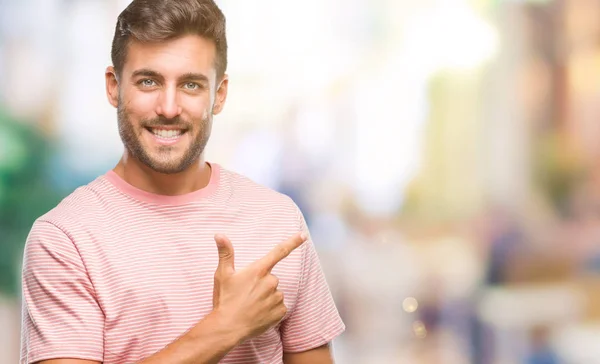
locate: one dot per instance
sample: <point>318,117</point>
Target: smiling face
<point>165,97</point>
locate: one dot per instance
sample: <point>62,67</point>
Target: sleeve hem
<point>316,341</point>
<point>35,357</point>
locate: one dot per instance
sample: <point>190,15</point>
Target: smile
<point>166,136</point>
<point>166,133</point>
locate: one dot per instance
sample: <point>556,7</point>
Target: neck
<point>135,173</point>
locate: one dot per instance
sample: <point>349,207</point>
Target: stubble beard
<point>163,161</point>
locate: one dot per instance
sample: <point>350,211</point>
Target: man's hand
<point>249,298</point>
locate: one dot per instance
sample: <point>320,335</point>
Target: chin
<point>172,165</point>
<point>167,169</point>
<point>167,160</point>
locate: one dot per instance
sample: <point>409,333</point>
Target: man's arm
<point>320,355</point>
<point>68,361</point>
<point>207,342</point>
<point>208,347</point>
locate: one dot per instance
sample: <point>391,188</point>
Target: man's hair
<point>161,20</point>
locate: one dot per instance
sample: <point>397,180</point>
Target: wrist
<point>228,330</point>
<point>207,342</point>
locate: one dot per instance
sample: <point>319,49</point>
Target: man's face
<point>165,98</point>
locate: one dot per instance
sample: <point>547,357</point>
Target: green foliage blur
<point>25,193</point>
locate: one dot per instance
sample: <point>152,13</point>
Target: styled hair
<point>161,20</point>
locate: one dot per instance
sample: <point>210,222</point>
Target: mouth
<point>165,135</point>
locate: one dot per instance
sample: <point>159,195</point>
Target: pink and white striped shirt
<point>114,273</point>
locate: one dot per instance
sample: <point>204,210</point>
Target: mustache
<point>162,121</point>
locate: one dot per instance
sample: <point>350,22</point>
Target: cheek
<point>196,108</point>
<point>142,103</point>
<point>139,106</point>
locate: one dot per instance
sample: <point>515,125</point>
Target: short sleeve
<point>314,320</point>
<point>61,317</point>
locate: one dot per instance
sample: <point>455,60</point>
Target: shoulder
<point>81,205</point>
<point>250,193</point>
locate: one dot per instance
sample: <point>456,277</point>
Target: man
<point>168,258</point>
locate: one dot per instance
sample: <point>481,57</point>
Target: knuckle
<point>272,281</point>
<point>282,250</point>
<point>261,271</point>
<point>283,310</point>
<point>269,280</point>
<point>279,296</point>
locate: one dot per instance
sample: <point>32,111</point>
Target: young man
<point>168,258</point>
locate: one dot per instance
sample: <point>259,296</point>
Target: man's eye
<point>147,82</point>
<point>192,86</point>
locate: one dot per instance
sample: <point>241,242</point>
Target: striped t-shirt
<point>114,273</point>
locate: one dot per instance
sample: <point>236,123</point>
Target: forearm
<point>206,343</point>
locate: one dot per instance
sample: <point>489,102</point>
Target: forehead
<point>187,54</point>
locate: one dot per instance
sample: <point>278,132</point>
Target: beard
<point>166,159</point>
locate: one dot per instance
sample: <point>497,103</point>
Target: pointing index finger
<point>281,251</point>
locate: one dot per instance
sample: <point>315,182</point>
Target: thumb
<point>226,255</point>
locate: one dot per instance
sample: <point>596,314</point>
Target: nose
<point>168,104</point>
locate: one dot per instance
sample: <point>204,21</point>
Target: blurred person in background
<point>167,257</point>
<point>542,350</point>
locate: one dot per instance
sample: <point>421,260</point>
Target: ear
<point>221,95</point>
<point>112,86</point>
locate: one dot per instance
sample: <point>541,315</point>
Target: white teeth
<point>169,134</point>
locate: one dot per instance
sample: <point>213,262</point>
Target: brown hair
<point>161,20</point>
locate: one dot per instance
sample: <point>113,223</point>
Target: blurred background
<point>446,154</point>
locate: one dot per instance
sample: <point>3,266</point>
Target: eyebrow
<point>147,73</point>
<point>190,76</point>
